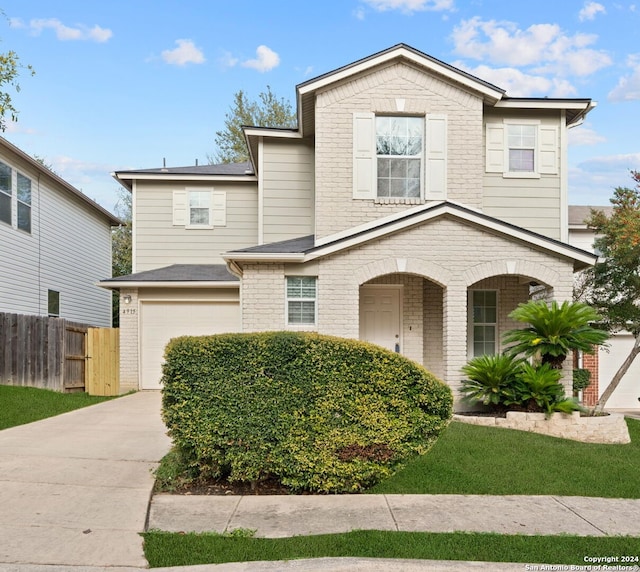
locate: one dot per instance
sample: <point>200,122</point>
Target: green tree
<point>10,68</point>
<point>267,111</point>
<point>554,330</point>
<point>121,247</point>
<point>614,282</point>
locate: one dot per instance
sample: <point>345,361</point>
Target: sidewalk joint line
<point>393,516</point>
<point>578,515</point>
<point>233,513</point>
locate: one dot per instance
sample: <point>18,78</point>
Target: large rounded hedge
<point>315,412</point>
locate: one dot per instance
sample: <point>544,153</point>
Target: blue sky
<point>123,84</point>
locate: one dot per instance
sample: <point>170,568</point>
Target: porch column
<point>454,322</point>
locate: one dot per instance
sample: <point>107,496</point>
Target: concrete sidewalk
<point>282,516</point>
<point>74,489</point>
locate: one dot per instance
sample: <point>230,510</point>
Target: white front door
<point>380,316</point>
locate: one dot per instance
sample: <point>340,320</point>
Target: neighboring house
<point>415,206</point>
<point>606,362</point>
<point>55,244</point>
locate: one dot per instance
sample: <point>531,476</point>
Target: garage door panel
<point>627,393</point>
<point>161,321</point>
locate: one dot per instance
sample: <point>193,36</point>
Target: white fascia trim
<point>587,258</point>
<point>375,223</point>
<point>542,104</point>
<point>264,257</point>
<point>176,284</point>
<point>411,56</point>
<point>268,132</point>
<point>178,177</point>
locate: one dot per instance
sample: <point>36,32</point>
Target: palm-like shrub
<point>553,331</point>
<point>490,379</point>
<point>538,388</point>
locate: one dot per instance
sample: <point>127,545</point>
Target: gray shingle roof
<point>232,169</point>
<point>292,246</point>
<point>181,273</point>
<point>579,213</point>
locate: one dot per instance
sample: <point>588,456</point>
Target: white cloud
<point>628,88</point>
<point>66,33</point>
<point>584,135</point>
<point>544,46</point>
<point>590,10</point>
<point>265,61</point>
<point>227,60</point>
<point>592,181</point>
<point>519,84</point>
<point>409,6</point>
<point>185,53</point>
<point>15,127</point>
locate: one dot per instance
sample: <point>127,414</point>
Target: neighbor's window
<point>399,149</point>
<point>199,208</point>
<point>24,203</point>
<point>301,300</point>
<point>53,303</point>
<point>522,148</point>
<point>5,193</point>
<point>484,308</point>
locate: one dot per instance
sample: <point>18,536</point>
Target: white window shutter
<point>436,157</point>
<point>219,208</point>
<point>495,148</point>
<point>548,150</point>
<point>180,208</point>
<point>364,156</point>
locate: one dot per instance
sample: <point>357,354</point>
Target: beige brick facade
<point>377,92</point>
<point>437,263</point>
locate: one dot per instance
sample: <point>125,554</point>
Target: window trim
<point>8,193</point>
<point>23,203</point>
<point>208,225</point>
<point>422,156</point>
<point>287,299</point>
<point>471,323</point>
<point>535,174</point>
<point>51,314</point>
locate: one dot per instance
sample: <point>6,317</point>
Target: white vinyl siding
<point>288,190</point>
<point>379,170</point>
<point>159,242</point>
<point>68,251</point>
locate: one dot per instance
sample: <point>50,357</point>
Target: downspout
<point>564,180</point>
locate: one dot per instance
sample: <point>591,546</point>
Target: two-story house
<point>55,244</point>
<point>414,206</point>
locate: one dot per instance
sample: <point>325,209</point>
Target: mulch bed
<point>222,487</point>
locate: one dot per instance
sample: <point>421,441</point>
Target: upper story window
<point>21,198</point>
<point>199,208</point>
<point>24,203</point>
<point>53,303</point>
<point>522,149</point>
<point>399,150</point>
<point>5,193</point>
<point>399,158</point>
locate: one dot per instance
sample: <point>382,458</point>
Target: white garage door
<point>161,321</point>
<point>627,394</point>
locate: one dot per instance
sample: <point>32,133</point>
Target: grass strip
<point>177,549</point>
<point>20,405</point>
<point>468,459</point>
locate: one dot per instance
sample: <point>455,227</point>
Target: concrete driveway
<point>74,489</point>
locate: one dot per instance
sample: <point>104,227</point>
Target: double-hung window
<point>199,208</point>
<point>521,141</point>
<point>5,193</point>
<point>301,300</point>
<point>399,150</point>
<point>484,322</point>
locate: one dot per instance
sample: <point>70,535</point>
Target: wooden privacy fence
<point>52,353</point>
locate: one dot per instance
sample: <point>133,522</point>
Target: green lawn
<point>468,459</point>
<point>172,549</point>
<point>20,405</point>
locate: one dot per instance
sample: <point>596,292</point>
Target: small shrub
<point>490,380</point>
<point>314,412</point>
<point>581,379</point>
